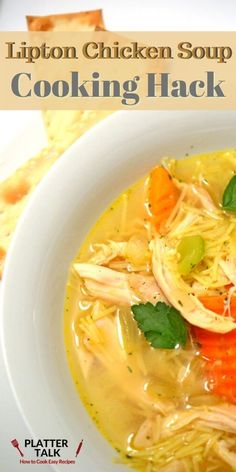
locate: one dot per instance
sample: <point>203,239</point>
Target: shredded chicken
<point>188,304</point>
<point>222,450</point>
<point>109,354</point>
<point>184,223</point>
<point>108,252</point>
<point>222,418</point>
<point>118,287</point>
<point>204,197</point>
<point>229,269</point>
<point>157,428</point>
<point>199,194</point>
<point>144,436</point>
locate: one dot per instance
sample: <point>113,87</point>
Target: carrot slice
<point>219,351</point>
<point>216,303</point>
<point>162,195</point>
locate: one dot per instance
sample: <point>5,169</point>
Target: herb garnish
<point>162,325</point>
<point>229,196</point>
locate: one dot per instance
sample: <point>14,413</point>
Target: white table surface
<point>16,127</point>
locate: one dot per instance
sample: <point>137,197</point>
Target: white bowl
<point>89,175</point>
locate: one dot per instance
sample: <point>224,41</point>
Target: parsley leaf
<point>229,197</point>
<point>162,325</point>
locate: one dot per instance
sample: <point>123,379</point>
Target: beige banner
<point>104,70</point>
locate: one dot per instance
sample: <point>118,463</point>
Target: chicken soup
<point>150,318</point>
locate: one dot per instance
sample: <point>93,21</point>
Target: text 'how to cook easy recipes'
<point>117,70</point>
<point>47,451</point>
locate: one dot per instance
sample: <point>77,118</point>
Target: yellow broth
<point>121,383</point>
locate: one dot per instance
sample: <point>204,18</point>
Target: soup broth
<point>161,408</point>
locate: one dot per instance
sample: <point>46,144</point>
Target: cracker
<point>67,22</point>
<point>63,128</point>
<point>15,192</point>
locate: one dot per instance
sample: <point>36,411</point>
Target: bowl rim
<point>54,171</point>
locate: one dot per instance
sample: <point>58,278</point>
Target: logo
<point>47,451</point>
<point>17,446</point>
<point>79,448</point>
